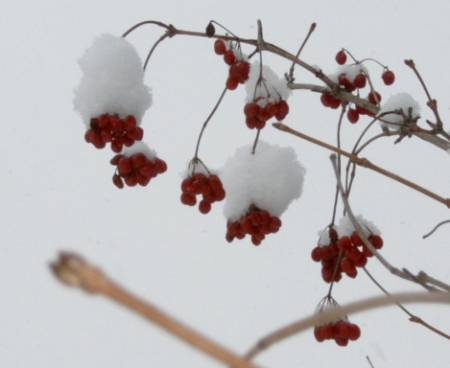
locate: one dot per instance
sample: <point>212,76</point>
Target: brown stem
<point>74,271</point>
<point>363,162</point>
<point>312,27</point>
<point>431,232</point>
<point>155,45</point>
<point>205,124</point>
<point>336,313</point>
<point>412,317</point>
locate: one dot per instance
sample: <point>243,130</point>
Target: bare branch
<point>363,162</point>
<point>435,228</point>
<point>72,270</point>
<point>341,311</point>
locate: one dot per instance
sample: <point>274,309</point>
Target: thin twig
<point>369,361</point>
<point>72,270</point>
<point>363,162</point>
<point>330,315</point>
<point>404,274</point>
<point>431,232</point>
<point>412,317</point>
<point>312,27</point>
<point>211,114</point>
<point>155,45</point>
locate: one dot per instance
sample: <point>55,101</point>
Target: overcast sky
<point>57,191</point>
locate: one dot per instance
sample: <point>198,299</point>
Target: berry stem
<point>312,27</point>
<point>255,143</point>
<point>155,45</point>
<point>74,271</point>
<point>197,147</point>
<point>343,310</point>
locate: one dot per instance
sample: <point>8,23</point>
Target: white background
<point>57,191</point>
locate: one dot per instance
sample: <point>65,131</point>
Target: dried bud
<point>74,271</point>
<point>210,30</point>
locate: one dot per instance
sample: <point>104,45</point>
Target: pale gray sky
<point>57,191</point>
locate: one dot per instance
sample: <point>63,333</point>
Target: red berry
<point>282,110</point>
<point>352,116</point>
<point>354,332</point>
<point>388,77</point>
<point>229,57</point>
<point>341,341</point>
<point>377,241</point>
<point>251,109</point>
<point>219,47</point>
<point>188,199</point>
<point>316,254</point>
<point>374,97</point>
<point>319,333</point>
<point>341,57</point>
<point>356,239</point>
<point>360,81</point>
<point>117,181</point>
<point>232,84</point>
<point>344,243</point>
<point>124,166</point>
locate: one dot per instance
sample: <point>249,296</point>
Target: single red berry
<point>354,332</point>
<point>229,57</point>
<point>341,341</point>
<point>360,81</point>
<point>344,243</point>
<point>204,206</point>
<point>117,181</point>
<point>219,47</point>
<point>319,333</point>
<point>353,116</point>
<point>232,84</point>
<point>356,239</point>
<point>316,254</point>
<point>341,57</point>
<point>124,166</point>
<point>251,109</point>
<point>374,97</point>
<point>377,241</point>
<point>388,77</point>
<point>188,199</point>
<point>282,110</point>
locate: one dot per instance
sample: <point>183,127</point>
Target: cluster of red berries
<point>136,169</point>
<point>111,128</point>
<point>209,186</point>
<point>388,76</point>
<point>341,332</point>
<point>256,222</point>
<point>344,255</point>
<point>257,116</point>
<point>239,69</point>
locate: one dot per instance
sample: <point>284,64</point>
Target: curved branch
<point>352,308</point>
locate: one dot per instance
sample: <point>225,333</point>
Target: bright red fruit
<point>360,81</point>
<point>219,47</point>
<point>341,57</point>
<point>388,77</point>
<point>352,116</point>
<point>374,97</point>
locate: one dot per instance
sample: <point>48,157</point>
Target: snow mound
<point>273,89</point>
<point>271,179</point>
<point>346,228</point>
<point>400,101</point>
<point>139,147</point>
<point>112,80</point>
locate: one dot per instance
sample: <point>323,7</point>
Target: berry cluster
<point>358,81</point>
<point>256,115</point>
<point>209,186</point>
<point>112,129</point>
<point>344,255</point>
<point>256,222</point>
<point>341,332</point>
<point>136,169</point>
<point>239,68</point>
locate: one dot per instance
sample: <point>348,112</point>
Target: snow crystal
<point>324,237</point>
<point>112,80</point>
<point>271,179</point>
<point>139,147</point>
<point>400,101</point>
<point>273,89</point>
<point>351,70</point>
<point>346,228</point>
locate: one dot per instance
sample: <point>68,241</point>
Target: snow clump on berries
<point>272,89</point>
<point>112,80</point>
<point>139,147</point>
<point>346,228</point>
<point>351,71</point>
<point>400,101</point>
<point>270,179</point>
